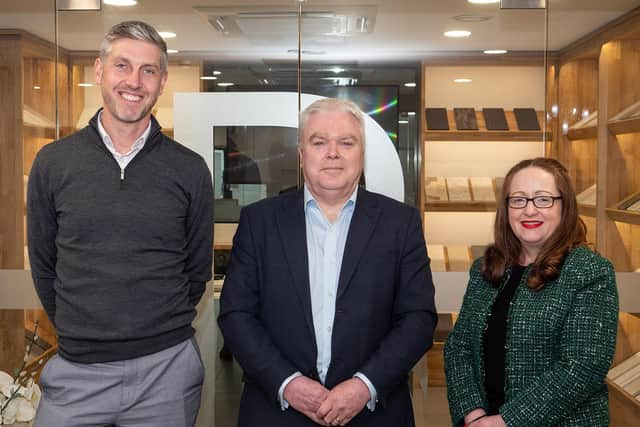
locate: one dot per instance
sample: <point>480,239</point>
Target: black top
<point>119,259</point>
<point>495,336</point>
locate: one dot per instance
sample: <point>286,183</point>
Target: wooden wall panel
<point>11,177</point>
<point>11,194</point>
<point>577,93</point>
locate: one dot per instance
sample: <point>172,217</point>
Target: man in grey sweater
<point>120,229</point>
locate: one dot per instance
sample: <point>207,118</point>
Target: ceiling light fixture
<point>225,84</point>
<point>463,80</point>
<point>411,113</point>
<point>167,34</point>
<point>337,70</point>
<point>495,51</point>
<point>36,88</point>
<point>120,2</point>
<point>410,84</point>
<point>208,78</point>
<point>172,51</point>
<point>216,72</point>
<point>403,122</point>
<point>483,1</point>
<point>457,33</point>
<point>85,84</point>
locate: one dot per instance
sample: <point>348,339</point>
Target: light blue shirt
<point>325,247</point>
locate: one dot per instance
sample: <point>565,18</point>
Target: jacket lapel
<point>363,223</point>
<point>291,226</point>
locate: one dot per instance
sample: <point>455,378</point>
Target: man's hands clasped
<point>335,407</point>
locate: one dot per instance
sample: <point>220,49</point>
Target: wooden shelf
<point>625,216</point>
<point>589,132</point>
<point>460,135</point>
<point>460,206</point>
<point>618,127</point>
<point>588,210</point>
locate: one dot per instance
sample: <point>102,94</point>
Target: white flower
<point>6,382</point>
<point>22,408</point>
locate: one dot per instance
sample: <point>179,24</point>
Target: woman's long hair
<point>506,250</point>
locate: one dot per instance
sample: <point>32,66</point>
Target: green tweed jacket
<point>559,346</point>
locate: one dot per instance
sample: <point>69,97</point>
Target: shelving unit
<point>599,73</point>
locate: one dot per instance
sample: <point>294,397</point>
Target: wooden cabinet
<point>29,75</point>
<point>462,170</point>
<point>600,74</point>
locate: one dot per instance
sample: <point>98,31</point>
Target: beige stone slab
<point>482,188</point>
<point>635,206</point>
<point>459,257</point>
<point>588,196</point>
<point>435,188</point>
<point>458,188</point>
<point>624,366</point>
<point>628,376</point>
<point>436,254</point>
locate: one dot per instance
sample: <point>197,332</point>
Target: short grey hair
<point>331,104</point>
<point>135,30</point>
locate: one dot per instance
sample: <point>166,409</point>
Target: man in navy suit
<point>328,300</point>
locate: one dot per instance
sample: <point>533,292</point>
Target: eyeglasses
<point>542,202</point>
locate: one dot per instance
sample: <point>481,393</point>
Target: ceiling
<point>394,29</point>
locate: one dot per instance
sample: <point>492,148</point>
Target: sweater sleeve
<point>586,350</point>
<point>42,228</point>
<point>199,228</point>
<point>464,387</point>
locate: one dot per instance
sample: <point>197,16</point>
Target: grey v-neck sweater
<point>119,258</point>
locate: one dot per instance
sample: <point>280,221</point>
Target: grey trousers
<point>157,390</point>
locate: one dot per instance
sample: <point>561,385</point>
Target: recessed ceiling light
<point>36,88</point>
<point>463,80</point>
<point>337,70</point>
<point>410,84</point>
<point>411,113</point>
<point>172,51</point>
<point>120,2</point>
<point>85,84</point>
<point>495,51</point>
<point>225,84</point>
<point>216,72</point>
<point>208,78</point>
<point>483,1</point>
<point>457,33</point>
<point>403,122</point>
<point>167,34</point>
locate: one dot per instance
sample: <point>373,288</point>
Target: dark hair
<point>506,249</point>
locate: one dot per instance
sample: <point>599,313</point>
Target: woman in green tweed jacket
<point>536,332</point>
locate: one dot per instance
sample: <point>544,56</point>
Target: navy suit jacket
<point>384,319</point>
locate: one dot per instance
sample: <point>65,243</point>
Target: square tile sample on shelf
<point>437,119</point>
<point>495,119</point>
<point>459,257</point>
<point>465,118</point>
<point>588,196</point>
<point>435,189</point>
<point>527,118</point>
<point>437,256</point>
<point>458,188</point>
<point>482,189</point>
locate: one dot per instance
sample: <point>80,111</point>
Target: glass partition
<point>454,92</point>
